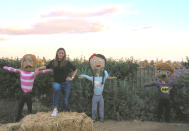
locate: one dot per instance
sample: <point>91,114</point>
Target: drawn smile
<point>28,66</point>
<point>98,65</point>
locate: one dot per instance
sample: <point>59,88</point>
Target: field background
<point>125,98</point>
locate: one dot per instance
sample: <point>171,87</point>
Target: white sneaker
<point>54,113</point>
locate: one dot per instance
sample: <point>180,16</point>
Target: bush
<point>125,98</point>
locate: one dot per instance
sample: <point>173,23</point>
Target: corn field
<point>125,98</point>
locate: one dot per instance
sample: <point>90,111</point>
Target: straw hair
<point>165,66</point>
<point>33,58</point>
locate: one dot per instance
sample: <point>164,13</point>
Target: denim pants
<point>95,100</point>
<point>65,88</point>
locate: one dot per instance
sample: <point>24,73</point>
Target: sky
<point>143,29</point>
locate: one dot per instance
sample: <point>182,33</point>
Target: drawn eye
<point>99,61</point>
<point>159,71</point>
<point>168,72</point>
<point>94,61</point>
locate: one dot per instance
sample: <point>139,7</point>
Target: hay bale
<point>10,127</point>
<point>66,121</point>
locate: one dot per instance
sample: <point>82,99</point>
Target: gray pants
<point>95,100</point>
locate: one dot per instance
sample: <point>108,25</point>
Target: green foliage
<point>183,94</point>
<point>125,98</point>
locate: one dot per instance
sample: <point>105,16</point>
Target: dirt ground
<point>110,125</point>
<point>7,114</point>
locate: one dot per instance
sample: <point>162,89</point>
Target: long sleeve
<point>176,84</point>
<point>11,69</point>
<point>106,74</point>
<point>44,71</point>
<point>87,77</point>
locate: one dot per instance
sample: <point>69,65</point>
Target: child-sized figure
<point>27,76</point>
<point>97,63</point>
<point>162,74</point>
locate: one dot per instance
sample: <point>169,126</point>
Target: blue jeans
<point>65,88</point>
<point>95,100</point>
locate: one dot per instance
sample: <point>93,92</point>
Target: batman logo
<point>165,89</point>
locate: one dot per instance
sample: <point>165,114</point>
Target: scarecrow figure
<point>27,76</point>
<point>163,72</point>
<point>99,76</point>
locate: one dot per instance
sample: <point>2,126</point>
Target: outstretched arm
<point>37,71</point>
<point>106,74</point>
<point>112,78</point>
<point>109,77</point>
<point>44,71</point>
<point>11,69</point>
<point>86,76</point>
<point>150,84</point>
<point>176,84</point>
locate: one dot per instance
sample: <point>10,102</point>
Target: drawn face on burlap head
<point>163,70</point>
<point>97,63</point>
<point>28,63</point>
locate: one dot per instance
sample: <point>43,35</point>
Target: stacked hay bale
<point>66,121</point>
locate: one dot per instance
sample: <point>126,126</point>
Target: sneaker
<point>55,112</point>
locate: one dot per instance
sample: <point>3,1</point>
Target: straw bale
<point>65,121</point>
<point>10,127</point>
